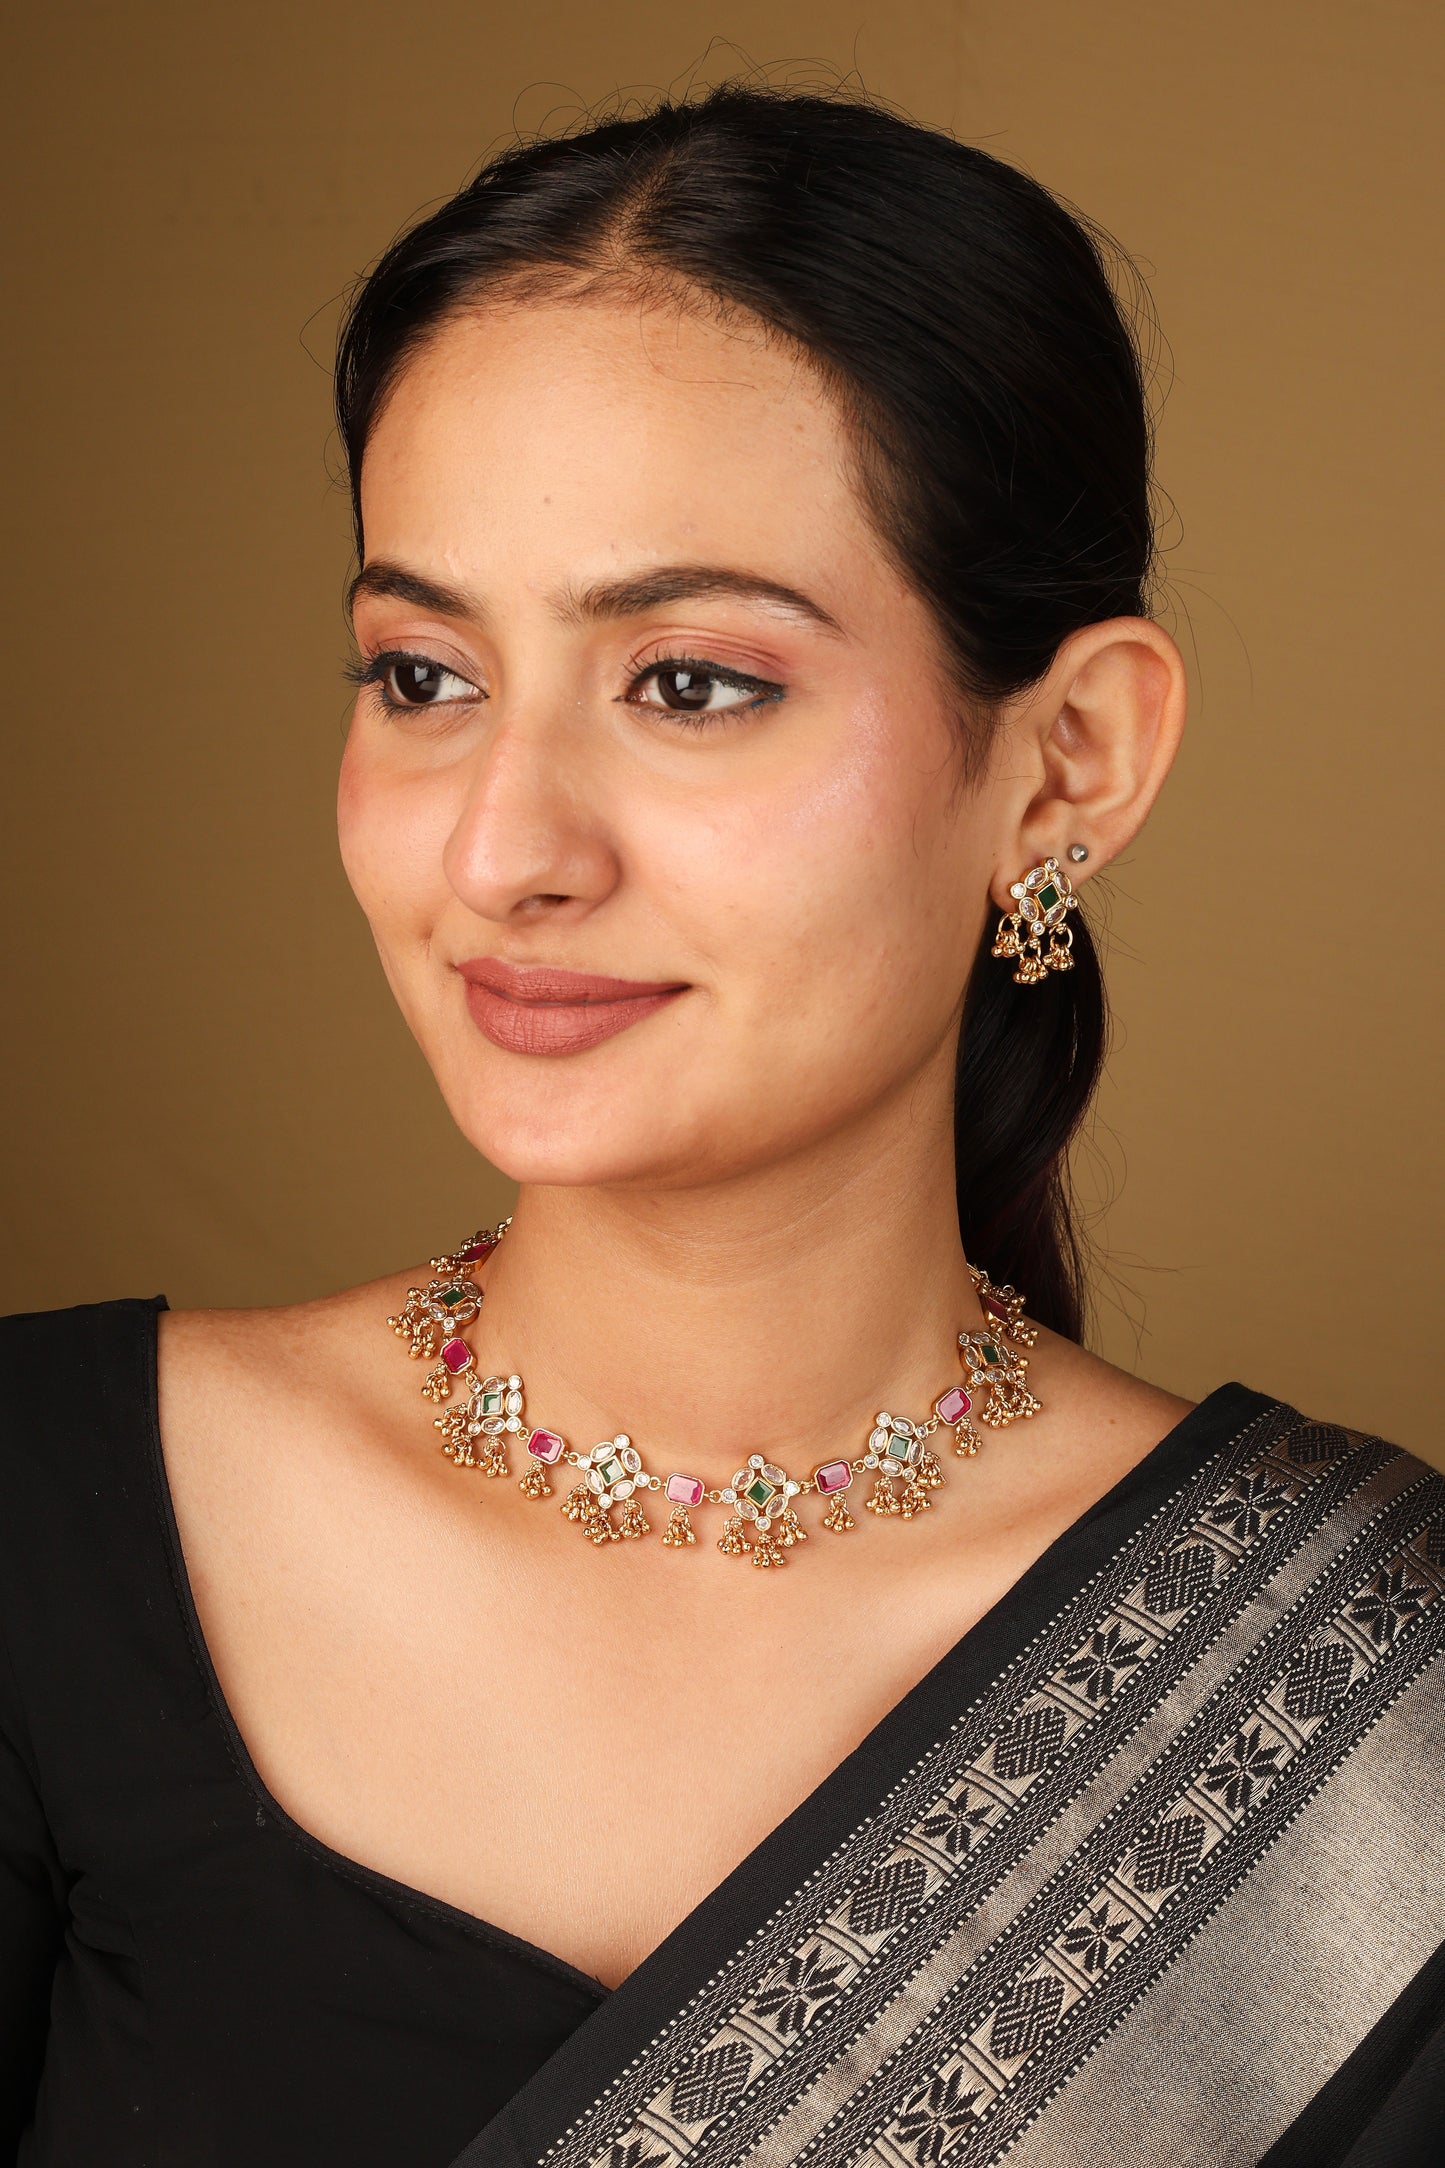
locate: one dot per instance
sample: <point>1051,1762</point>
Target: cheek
<point>839,897</point>
<point>392,830</point>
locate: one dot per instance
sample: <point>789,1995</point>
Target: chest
<point>576,1747</point>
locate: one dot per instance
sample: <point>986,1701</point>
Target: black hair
<point>967,322</point>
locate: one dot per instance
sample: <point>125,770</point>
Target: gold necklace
<point>762,1497</point>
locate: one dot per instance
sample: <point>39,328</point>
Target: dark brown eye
<point>692,689</point>
<point>414,683</point>
<point>405,682</point>
<point>685,688</point>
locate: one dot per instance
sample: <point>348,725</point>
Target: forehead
<point>579,428</point>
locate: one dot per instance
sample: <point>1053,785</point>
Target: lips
<point>538,1009</point>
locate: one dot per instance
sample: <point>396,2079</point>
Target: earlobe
<point>1109,719</point>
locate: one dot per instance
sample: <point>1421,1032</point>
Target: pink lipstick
<point>537,1009</point>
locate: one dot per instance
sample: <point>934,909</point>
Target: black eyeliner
<point>765,689</point>
<point>362,671</point>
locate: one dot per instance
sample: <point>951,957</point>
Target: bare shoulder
<point>236,1385</point>
<point>289,1438</point>
<point>202,1348</point>
<point>1097,1423</point>
<point>1126,1411</point>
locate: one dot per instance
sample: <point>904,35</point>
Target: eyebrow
<point>382,578</point>
<point>605,599</point>
<point>650,590</point>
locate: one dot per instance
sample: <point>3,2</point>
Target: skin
<point>735,1229</point>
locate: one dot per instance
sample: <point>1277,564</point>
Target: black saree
<point>1150,1869</point>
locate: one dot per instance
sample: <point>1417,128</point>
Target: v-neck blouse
<point>190,1980</point>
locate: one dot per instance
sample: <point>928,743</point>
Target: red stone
<point>545,1445</point>
<point>834,1475</point>
<point>995,1308</point>
<point>475,1252</point>
<point>954,1405</point>
<point>457,1356</point>
<point>684,1490</point>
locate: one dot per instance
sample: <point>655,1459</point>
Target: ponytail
<point>1028,1062</point>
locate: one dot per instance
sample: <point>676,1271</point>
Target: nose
<point>531,839</point>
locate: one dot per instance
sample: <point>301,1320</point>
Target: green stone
<point>1048,896</point>
<point>611,1470</point>
<point>760,1492</point>
<point>899,1446</point>
<point>451,1296</point>
<point>494,1403</point>
<point>993,1358</point>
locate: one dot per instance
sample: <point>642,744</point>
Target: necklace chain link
<point>763,1523</point>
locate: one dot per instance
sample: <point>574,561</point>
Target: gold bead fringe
<point>606,1503</point>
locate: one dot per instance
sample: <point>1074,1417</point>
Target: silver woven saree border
<point>712,2079</point>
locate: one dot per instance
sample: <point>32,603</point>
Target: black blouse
<point>203,1983</point>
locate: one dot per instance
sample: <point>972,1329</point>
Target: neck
<point>773,1313</point>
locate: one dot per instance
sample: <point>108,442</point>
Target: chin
<point>635,1115</point>
<point>573,1131</point>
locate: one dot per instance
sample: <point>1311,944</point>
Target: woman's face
<point>646,702</point>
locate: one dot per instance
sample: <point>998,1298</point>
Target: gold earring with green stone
<point>1036,936</point>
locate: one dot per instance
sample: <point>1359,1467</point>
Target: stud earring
<point>1037,937</point>
<point>1078,852</point>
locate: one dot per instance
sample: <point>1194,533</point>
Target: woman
<point>903,1737</point>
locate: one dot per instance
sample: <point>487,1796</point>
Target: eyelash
<point>374,670</point>
<point>763,690</point>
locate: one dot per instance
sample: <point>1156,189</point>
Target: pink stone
<point>475,1252</point>
<point>684,1490</point>
<point>834,1475</point>
<point>457,1355</point>
<point>545,1445</point>
<point>995,1308</point>
<point>954,1405</point>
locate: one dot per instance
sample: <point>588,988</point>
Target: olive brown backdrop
<point>209,1090</point>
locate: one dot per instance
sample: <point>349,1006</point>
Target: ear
<point>1096,741</point>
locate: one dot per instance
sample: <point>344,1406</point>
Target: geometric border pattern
<point>1028,2009</point>
<point>1171,1868</point>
